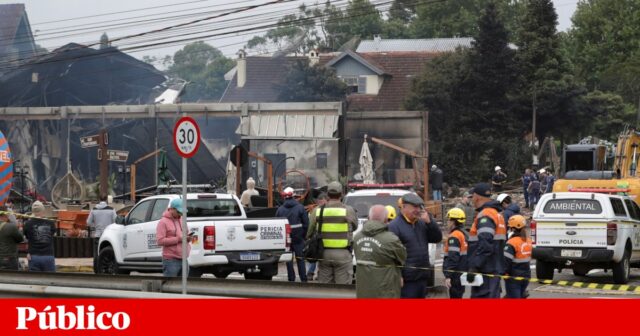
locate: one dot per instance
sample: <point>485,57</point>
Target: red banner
<point>313,317</point>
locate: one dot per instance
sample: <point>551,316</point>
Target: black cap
<point>412,199</point>
<point>482,189</point>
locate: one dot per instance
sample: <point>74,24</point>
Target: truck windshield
<point>212,208</point>
<point>573,206</point>
<point>361,204</point>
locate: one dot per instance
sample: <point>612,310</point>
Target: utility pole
<point>103,141</point>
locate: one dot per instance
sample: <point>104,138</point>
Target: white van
<point>585,231</point>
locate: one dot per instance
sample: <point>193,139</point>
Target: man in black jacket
<point>299,221</point>
<point>39,233</point>
<point>415,234</point>
<point>436,182</point>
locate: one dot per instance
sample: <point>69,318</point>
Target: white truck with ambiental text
<point>585,231</point>
<point>224,239</point>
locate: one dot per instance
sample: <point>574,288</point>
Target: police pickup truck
<point>585,231</point>
<point>224,239</point>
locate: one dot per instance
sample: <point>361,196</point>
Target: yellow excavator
<point>586,169</point>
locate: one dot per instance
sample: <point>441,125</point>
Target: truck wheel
<point>195,272</point>
<point>544,270</point>
<point>107,263</point>
<point>621,269</point>
<point>221,274</point>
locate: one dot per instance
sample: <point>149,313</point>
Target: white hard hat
<point>542,171</point>
<point>497,168</point>
<point>434,167</point>
<point>288,192</point>
<point>502,197</point>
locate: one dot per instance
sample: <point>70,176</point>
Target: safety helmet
<point>502,197</point>
<point>288,192</point>
<point>457,214</point>
<point>391,212</point>
<point>497,168</point>
<point>542,171</point>
<point>517,222</point>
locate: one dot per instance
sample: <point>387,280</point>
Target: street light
<point>124,170</point>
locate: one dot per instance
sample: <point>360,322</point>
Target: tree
<point>459,18</point>
<point>546,83</point>
<point>312,83</point>
<point>605,35</point>
<point>203,66</point>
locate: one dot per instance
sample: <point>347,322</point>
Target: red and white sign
<point>186,137</point>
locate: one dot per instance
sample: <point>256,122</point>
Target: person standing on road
<point>498,178</point>
<point>486,243</point>
<point>466,206</point>
<point>517,257</point>
<point>338,222</point>
<point>39,232</point>
<point>508,207</point>
<point>321,200</point>
<point>10,237</point>
<point>436,180</point>
<point>169,236</point>
<point>101,216</point>
<point>455,253</point>
<point>526,180</point>
<point>415,234</point>
<point>245,198</point>
<point>379,253</point>
<point>299,222</point>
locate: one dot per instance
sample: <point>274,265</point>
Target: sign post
<point>186,140</point>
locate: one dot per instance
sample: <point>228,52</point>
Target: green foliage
<point>546,80</point>
<point>608,113</point>
<point>467,93</point>
<point>203,66</point>
<point>305,83</point>
<point>605,35</point>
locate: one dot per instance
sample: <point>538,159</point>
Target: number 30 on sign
<point>186,137</point>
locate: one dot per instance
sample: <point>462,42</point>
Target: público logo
<point>80,319</point>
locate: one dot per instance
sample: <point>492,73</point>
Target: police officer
<point>378,254</point>
<point>337,223</point>
<point>299,221</point>
<point>486,243</point>
<point>517,257</point>
<point>415,234</point>
<point>455,253</point>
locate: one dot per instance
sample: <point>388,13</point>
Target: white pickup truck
<point>585,231</point>
<point>224,239</point>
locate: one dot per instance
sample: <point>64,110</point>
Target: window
<point>139,213</point>
<point>632,209</point>
<point>321,160</point>
<point>159,208</point>
<point>618,208</point>
<point>355,84</point>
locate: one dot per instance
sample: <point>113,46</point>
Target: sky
<point>58,22</point>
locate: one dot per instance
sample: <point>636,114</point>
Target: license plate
<point>571,253</point>
<point>249,256</point>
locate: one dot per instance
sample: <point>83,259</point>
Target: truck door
<point>133,241</point>
<point>152,251</point>
<point>634,212</point>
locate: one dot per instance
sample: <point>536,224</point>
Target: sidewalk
<point>69,265</point>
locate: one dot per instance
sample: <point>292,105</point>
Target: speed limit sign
<point>186,137</point>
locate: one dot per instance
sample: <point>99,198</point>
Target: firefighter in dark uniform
<point>517,257</point>
<point>455,253</point>
<point>486,243</point>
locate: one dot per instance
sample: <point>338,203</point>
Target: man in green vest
<point>336,222</point>
<point>379,254</point>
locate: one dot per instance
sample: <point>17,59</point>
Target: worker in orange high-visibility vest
<point>455,252</point>
<point>517,256</point>
<point>486,243</point>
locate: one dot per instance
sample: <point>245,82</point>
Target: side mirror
<point>120,219</point>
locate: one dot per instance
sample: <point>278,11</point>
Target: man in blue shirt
<point>415,234</point>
